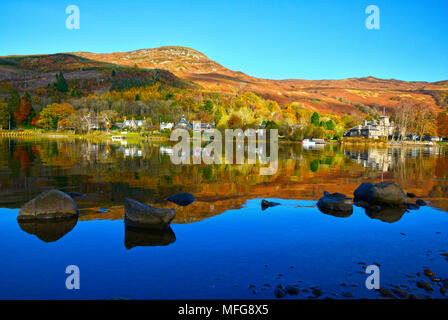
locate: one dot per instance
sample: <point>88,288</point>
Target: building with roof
<point>373,129</point>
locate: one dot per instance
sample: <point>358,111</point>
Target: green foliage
<point>207,107</point>
<point>61,84</point>
<point>315,119</point>
<point>4,115</point>
<point>330,125</point>
<point>125,84</point>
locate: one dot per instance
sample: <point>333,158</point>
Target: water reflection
<point>107,172</point>
<point>134,237</point>
<point>389,215</point>
<point>48,231</point>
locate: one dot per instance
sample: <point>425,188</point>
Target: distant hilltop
<point>186,66</point>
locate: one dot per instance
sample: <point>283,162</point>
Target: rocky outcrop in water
<point>268,204</point>
<point>382,194</point>
<point>50,205</point>
<point>182,199</point>
<point>139,215</point>
<point>336,204</point>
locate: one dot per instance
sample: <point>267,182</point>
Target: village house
<point>373,129</point>
<point>166,125</point>
<point>132,124</point>
<point>184,124</point>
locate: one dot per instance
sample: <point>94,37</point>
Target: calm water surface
<point>223,243</point>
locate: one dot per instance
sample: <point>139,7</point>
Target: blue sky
<point>319,39</point>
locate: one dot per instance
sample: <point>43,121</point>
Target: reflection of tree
<point>103,172</point>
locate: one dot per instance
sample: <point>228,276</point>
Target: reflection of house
<point>166,125</point>
<point>373,129</point>
<point>132,124</point>
<point>132,152</point>
<point>376,159</point>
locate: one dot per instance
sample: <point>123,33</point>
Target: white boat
<point>308,142</point>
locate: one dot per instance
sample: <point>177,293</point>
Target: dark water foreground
<point>223,245</point>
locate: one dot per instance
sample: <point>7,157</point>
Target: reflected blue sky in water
<point>221,256</point>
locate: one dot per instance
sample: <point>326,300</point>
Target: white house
<point>166,125</point>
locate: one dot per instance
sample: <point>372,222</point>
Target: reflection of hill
<point>105,175</point>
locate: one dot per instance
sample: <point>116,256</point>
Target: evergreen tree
<point>13,106</point>
<point>61,83</point>
<point>315,119</point>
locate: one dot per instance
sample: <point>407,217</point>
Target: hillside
<point>27,73</point>
<point>327,96</point>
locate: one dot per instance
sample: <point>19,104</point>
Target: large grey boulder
<point>141,215</point>
<point>336,204</point>
<point>384,193</point>
<point>49,205</point>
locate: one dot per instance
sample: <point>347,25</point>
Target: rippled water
<point>223,245</point>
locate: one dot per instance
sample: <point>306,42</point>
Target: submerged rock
<point>182,199</point>
<point>424,285</point>
<point>389,214</point>
<point>139,215</point>
<point>52,204</point>
<point>412,206</point>
<point>421,202</point>
<point>292,290</point>
<point>267,204</point>
<point>48,231</point>
<point>279,292</point>
<point>137,237</point>
<point>336,204</point>
<point>384,193</point>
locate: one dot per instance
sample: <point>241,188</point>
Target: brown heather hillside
<point>326,96</point>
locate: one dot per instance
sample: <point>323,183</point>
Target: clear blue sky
<point>307,39</point>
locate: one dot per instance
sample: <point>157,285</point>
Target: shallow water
<point>223,245</point>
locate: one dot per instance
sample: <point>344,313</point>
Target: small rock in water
<point>292,290</point>
<point>384,292</point>
<point>424,285</point>
<point>401,293</point>
<point>279,293</point>
<point>251,286</point>
<point>181,199</point>
<point>317,292</point>
<point>429,273</point>
<point>267,204</point>
<point>347,294</point>
<point>420,202</point>
<point>411,195</point>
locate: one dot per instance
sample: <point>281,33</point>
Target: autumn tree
<point>107,117</point>
<point>25,114</point>
<point>56,115</point>
<point>442,124</point>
